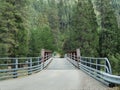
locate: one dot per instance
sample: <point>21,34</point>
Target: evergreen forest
<point>27,26</point>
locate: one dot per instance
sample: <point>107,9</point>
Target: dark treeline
<point>27,26</point>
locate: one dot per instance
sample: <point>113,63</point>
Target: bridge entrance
<point>60,64</point>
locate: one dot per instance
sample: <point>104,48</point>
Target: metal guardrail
<point>98,68</point>
<point>14,67</point>
<point>101,64</point>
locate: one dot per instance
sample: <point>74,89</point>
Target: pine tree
<point>8,29</point>
<point>84,28</point>
<point>22,36</point>
<point>12,29</point>
<point>108,41</point>
<point>109,33</point>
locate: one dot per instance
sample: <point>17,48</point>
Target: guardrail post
<point>97,62</point>
<point>70,55</point>
<point>106,63</point>
<point>88,60</point>
<point>73,56</point>
<point>30,67</point>
<point>48,55</point>
<point>38,60</point>
<point>92,61</point>
<point>16,68</point>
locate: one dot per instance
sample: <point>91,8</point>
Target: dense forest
<point>27,26</point>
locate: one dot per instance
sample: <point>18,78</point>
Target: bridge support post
<point>78,56</point>
<point>42,58</point>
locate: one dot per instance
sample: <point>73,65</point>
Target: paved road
<point>60,64</point>
<point>68,78</point>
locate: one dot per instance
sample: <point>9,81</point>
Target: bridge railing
<point>101,64</point>
<point>73,57</point>
<point>15,67</point>
<point>45,56</point>
<point>98,68</point>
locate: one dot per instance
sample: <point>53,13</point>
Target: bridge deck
<point>60,64</point>
<point>60,75</point>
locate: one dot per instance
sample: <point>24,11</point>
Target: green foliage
<point>7,28</point>
<point>109,29</point>
<point>83,34</point>
<point>109,33</point>
<point>41,37</point>
<point>115,62</point>
<point>13,30</point>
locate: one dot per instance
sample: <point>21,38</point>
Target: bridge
<point>48,72</point>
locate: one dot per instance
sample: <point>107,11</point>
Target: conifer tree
<point>84,28</point>
<point>13,28</point>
